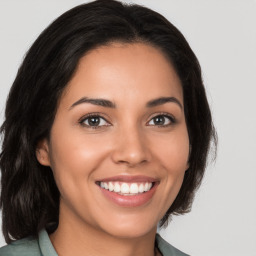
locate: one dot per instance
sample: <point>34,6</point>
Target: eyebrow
<point>163,100</point>
<point>97,102</point>
<point>110,104</point>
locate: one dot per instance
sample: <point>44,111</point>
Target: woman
<point>106,134</point>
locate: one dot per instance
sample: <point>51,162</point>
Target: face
<point>119,144</point>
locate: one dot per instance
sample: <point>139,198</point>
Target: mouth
<point>125,188</point>
<point>128,191</point>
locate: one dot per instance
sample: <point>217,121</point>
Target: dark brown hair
<point>29,196</point>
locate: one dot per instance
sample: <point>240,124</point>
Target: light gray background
<point>223,36</point>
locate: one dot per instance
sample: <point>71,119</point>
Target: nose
<point>131,148</point>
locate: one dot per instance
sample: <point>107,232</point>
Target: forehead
<point>122,70</point>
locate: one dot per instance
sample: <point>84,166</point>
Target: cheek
<point>173,152</point>
<point>74,157</point>
<point>173,156</point>
<point>176,156</point>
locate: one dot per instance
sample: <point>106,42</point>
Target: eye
<point>161,120</point>
<point>94,121</point>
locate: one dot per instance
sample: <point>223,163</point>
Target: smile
<point>126,189</point>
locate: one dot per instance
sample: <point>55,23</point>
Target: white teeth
<point>134,189</point>
<point>110,186</point>
<point>105,185</point>
<point>126,188</point>
<point>117,187</point>
<point>141,188</point>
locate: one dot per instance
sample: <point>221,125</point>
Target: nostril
<point>130,148</point>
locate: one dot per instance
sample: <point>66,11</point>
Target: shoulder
<point>167,249</point>
<point>24,247</point>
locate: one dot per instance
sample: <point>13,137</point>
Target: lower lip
<point>130,201</point>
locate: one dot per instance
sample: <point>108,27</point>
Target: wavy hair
<point>29,195</point>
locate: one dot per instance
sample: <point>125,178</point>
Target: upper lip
<point>129,178</point>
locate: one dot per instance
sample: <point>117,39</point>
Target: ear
<point>188,162</point>
<point>187,166</point>
<point>42,152</point>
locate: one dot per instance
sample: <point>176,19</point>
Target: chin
<point>132,232</point>
<point>131,227</point>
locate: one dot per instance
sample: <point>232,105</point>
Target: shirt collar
<point>45,245</point>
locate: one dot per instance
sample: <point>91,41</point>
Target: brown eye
<point>94,121</point>
<point>161,120</point>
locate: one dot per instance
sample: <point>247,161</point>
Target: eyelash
<point>95,115</point>
<point>98,115</point>
<point>165,115</point>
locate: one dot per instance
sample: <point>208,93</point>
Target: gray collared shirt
<point>43,247</point>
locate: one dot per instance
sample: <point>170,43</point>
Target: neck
<point>80,239</point>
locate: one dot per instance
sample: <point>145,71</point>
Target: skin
<point>128,141</point>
